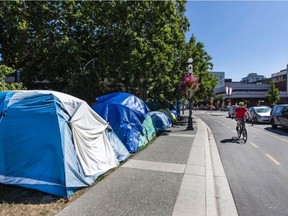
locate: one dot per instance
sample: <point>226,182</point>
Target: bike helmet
<point>241,104</point>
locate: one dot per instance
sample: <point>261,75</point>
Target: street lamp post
<point>190,70</point>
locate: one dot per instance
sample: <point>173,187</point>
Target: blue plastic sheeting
<point>120,150</point>
<point>123,99</point>
<point>128,116</point>
<point>52,142</point>
<point>160,120</point>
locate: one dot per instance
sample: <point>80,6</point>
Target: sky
<point>242,37</point>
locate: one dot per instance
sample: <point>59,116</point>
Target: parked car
<point>279,116</point>
<point>231,111</point>
<point>260,114</point>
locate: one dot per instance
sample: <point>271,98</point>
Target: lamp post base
<point>190,123</point>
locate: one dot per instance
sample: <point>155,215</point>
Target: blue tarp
<point>52,142</point>
<point>120,150</point>
<point>128,116</point>
<point>160,120</point>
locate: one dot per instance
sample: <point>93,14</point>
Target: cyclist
<point>241,112</point>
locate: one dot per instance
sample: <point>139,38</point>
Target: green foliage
<point>201,67</point>
<point>273,94</point>
<point>89,48</point>
<point>5,71</point>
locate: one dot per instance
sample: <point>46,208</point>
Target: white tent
<point>53,142</point>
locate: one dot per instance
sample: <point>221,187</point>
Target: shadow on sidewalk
<point>181,122</point>
<point>178,127</point>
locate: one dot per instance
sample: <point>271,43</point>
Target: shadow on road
<point>233,140</point>
<point>279,131</point>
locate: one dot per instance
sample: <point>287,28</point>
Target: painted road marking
<point>271,158</point>
<point>254,145</point>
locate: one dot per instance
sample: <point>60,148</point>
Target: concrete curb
<point>222,192</point>
<point>211,198</point>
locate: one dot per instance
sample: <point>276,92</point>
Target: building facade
<point>280,79</point>
<point>252,89</point>
<point>251,94</point>
<point>252,78</point>
<point>221,78</point>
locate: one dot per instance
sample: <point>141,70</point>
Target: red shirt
<point>240,112</point>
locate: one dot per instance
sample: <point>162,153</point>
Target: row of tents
<point>57,143</point>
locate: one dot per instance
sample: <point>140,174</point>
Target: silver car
<point>260,114</point>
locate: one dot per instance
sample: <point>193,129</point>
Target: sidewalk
<point>179,174</point>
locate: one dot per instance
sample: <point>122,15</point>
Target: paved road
<point>256,171</point>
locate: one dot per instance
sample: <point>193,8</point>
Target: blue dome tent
<point>128,116</point>
<point>53,142</point>
<point>160,120</point>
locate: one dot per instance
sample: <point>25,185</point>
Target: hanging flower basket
<point>188,82</point>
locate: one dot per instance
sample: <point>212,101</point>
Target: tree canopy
<point>201,67</point>
<point>273,94</point>
<point>89,48</point>
<point>4,72</point>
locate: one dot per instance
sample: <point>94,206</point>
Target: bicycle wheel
<point>245,135</point>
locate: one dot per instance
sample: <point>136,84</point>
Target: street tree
<point>273,94</point>
<point>202,66</point>
<point>89,48</point>
<point>4,72</point>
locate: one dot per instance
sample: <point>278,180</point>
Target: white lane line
<point>271,158</point>
<point>254,145</point>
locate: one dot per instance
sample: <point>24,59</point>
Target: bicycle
<point>242,131</point>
